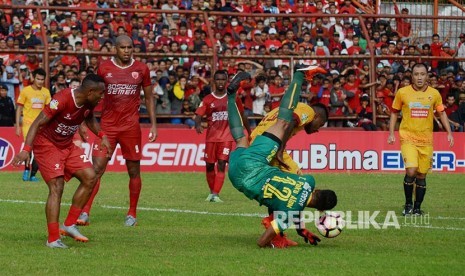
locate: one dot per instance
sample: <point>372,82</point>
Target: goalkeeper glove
<point>309,237</point>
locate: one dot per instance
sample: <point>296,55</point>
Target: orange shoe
<point>311,71</point>
<point>278,241</point>
<point>73,231</point>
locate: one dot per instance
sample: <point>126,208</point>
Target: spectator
<point>8,78</point>
<point>458,116</point>
<point>339,102</point>
<point>382,109</point>
<point>365,114</point>
<point>404,27</point>
<point>7,107</point>
<point>259,93</point>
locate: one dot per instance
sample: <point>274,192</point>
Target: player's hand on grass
<point>21,157</point>
<point>153,134</point>
<point>308,236</point>
<point>391,139</point>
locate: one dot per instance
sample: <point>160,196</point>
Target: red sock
<point>211,180</point>
<point>92,197</point>
<point>135,185</point>
<point>219,180</point>
<point>53,231</point>
<point>73,215</point>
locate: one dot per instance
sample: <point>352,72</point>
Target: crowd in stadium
<point>181,83</point>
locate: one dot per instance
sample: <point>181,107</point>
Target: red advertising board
<point>182,150</point>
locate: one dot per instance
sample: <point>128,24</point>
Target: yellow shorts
<point>293,167</point>
<point>420,157</point>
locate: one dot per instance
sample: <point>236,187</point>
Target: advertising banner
<point>182,150</point>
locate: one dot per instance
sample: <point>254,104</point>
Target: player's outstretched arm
<point>151,110</point>
<point>267,237</point>
<point>24,155</point>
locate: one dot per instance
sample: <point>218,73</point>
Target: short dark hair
<point>40,72</point>
<point>322,110</point>
<point>91,80</point>
<point>220,72</point>
<point>420,64</point>
<point>325,199</point>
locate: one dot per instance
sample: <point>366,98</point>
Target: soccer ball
<point>330,224</point>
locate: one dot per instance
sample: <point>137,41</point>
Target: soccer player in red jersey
<point>51,136</point>
<point>124,79</point>
<point>218,138</point>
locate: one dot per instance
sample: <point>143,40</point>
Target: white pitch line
<point>256,215</point>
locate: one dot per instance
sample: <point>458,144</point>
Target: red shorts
<point>129,141</point>
<point>215,151</point>
<point>54,162</point>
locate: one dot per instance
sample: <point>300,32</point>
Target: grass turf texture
<point>223,239</point>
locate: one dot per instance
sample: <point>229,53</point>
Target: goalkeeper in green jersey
<point>251,173</point>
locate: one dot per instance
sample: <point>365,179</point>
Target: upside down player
<point>219,141</point>
<point>124,78</point>
<point>51,136</point>
<point>251,173</point>
<point>305,117</point>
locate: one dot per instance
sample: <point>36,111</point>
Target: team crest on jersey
<point>212,105</point>
<point>109,75</point>
<point>54,104</point>
<point>304,117</point>
<point>68,116</point>
<point>135,75</point>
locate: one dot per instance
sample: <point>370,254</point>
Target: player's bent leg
<point>52,208</point>
<point>100,165</point>
<point>135,186</point>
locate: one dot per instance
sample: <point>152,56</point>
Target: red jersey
<point>354,101</point>
<point>216,110</point>
<point>65,117</point>
<point>122,96</point>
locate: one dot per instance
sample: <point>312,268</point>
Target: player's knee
<point>409,180</point>
<point>421,183</point>
<point>89,179</point>
<point>221,165</point>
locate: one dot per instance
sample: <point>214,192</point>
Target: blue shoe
<point>26,175</point>
<point>34,179</point>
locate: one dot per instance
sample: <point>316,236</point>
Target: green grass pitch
<point>180,233</point>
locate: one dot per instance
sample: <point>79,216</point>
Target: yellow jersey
<point>33,101</point>
<point>417,114</point>
<point>303,113</point>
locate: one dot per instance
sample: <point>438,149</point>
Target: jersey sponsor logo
<point>418,110</point>
<point>135,75</point>
<point>220,116</point>
<point>54,104</point>
<point>37,103</point>
<point>66,130</point>
<point>419,113</point>
<point>121,89</point>
<point>6,153</point>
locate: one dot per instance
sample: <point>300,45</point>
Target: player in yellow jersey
<point>417,102</point>
<point>32,99</point>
